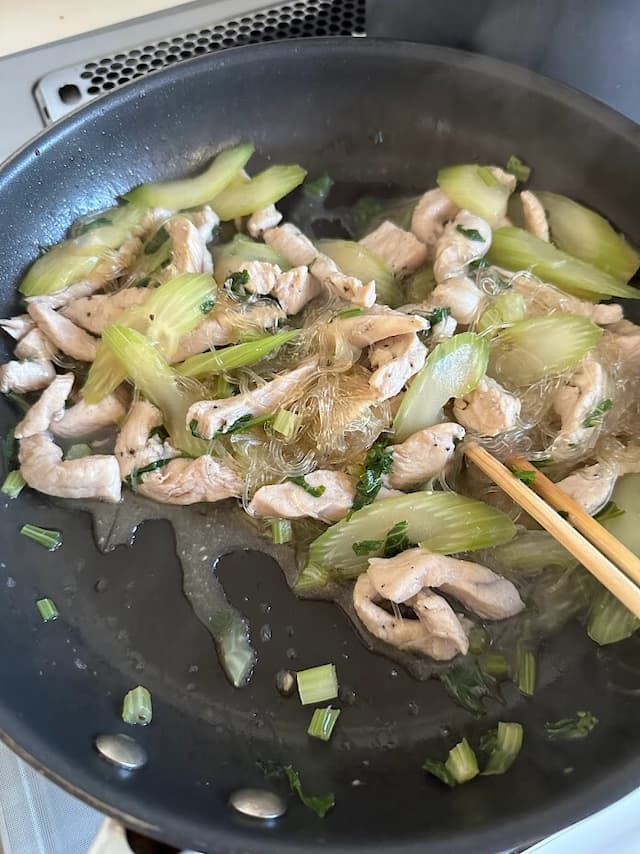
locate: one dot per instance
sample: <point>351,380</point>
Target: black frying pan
<point>376,114</point>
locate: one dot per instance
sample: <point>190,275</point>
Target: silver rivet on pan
<point>121,750</point>
<point>258,803</point>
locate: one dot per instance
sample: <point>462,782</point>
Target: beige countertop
<point>27,23</point>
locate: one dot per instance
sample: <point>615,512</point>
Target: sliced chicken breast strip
<point>590,486</point>
<point>544,299</point>
<point>63,333</point>
<point>378,325</point>
<point>622,341</point>
<point>83,420</point>
<point>488,410</point>
<point>444,629</point>
<point>535,218</point>
<point>189,481</point>
<point>400,250</point>
<point>22,377</point>
<point>94,313</point>
<point>189,253</point>
<point>290,501</point>
<point>423,455</point>
<point>394,361</point>
<point>293,289</point>
<point>579,396</point>
<point>433,210</point>
<point>135,447</point>
<point>48,408</point>
<point>479,589</point>
<point>35,346</point>
<point>216,416</point>
<point>262,220</point>
<point>18,326</point>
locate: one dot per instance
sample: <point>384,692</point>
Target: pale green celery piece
<point>317,684</point>
<point>50,539</point>
<point>538,347</point>
<point>148,370</point>
<point>47,609</point>
<point>452,369</point>
<point>322,723</point>
<point>526,672</point>
<point>75,259</point>
<point>509,739</point>
<point>286,423</point>
<point>137,707</point>
<point>236,356</point>
<point>228,257</point>
<point>263,190</point>
<point>504,309</point>
<point>531,552</point>
<point>192,192</point>
<point>356,260</point>
<point>516,249</point>
<point>442,522</point>
<point>281,531</point>
<point>475,188</point>
<point>419,285</point>
<point>13,484</point>
<point>171,311</point>
<point>586,235</point>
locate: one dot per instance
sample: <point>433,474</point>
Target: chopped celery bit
<point>227,257</point>
<point>468,686</point>
<point>508,744</point>
<point>136,707</point>
<point>77,452</point>
<point>586,235</point>
<point>303,483</point>
<point>495,664</point>
<point>609,620</point>
<point>51,540</point>
<point>594,418</point>
<point>539,347</point>
<point>13,484</point>
<point>516,249</point>
<point>192,192</point>
<point>452,369</point>
<point>504,309</point>
<point>319,804</point>
<point>441,522</point>
<point>137,474</point>
<point>377,464</point>
<point>530,552</point>
<point>476,189</point>
<point>281,531</point>
<point>568,729</point>
<point>527,477</point>
<point>317,684</point>
<point>234,285</point>
<point>323,722</point>
<point>518,168</point>
<point>236,356</point>
<point>353,259</point>
<point>479,640</point>
<point>460,767</point>
<point>148,370</point>
<point>396,541</point>
<point>47,609</point>
<point>319,187</point>
<point>286,424</point>
<point>419,285</point>
<point>526,673</point>
<point>261,191</point>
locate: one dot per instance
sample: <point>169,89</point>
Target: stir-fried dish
<point>194,344</point>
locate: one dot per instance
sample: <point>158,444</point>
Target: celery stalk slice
<point>317,684</point>
<point>236,356</point>
<point>509,737</point>
<point>191,192</point>
<point>261,191</point>
<point>452,369</point>
<point>586,235</point>
<point>516,249</point>
<point>475,189</point>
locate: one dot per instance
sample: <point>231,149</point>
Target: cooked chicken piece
<point>18,326</point>
<point>95,313</point>
<point>461,296</point>
<point>63,333</point>
<point>545,299</point>
<point>226,324</point>
<point>206,220</point>
<point>42,466</point>
<point>135,447</point>
<point>591,486</point>
<point>394,361</point>
<point>189,481</point>
<point>217,416</point>
<point>487,410</point>
<point>344,287</point>
<point>423,455</point>
<point>400,250</point>
<point>622,341</point>
<point>445,630</point>
<point>433,210</point>
<point>575,401</point>
<point>189,253</point>
<point>290,501</point>
<point>479,589</point>
<point>464,240</point>
<point>299,251</point>
<point>49,407</point>
<point>293,289</point>
<point>35,347</point>
<point>445,328</point>
<point>262,220</point>
<point>409,635</point>
<point>535,218</point>
<point>367,329</point>
<point>83,420</point>
<point>25,376</point>
<point>507,180</point>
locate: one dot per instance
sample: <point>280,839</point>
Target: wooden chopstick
<point>580,519</point>
<point>607,573</point>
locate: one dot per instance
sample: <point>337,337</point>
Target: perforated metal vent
<point>62,91</point>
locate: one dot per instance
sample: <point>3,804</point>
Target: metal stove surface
<point>589,44</point>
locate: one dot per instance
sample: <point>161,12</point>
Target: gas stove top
<point>588,44</point>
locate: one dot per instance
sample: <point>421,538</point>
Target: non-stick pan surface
<point>376,114</point>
